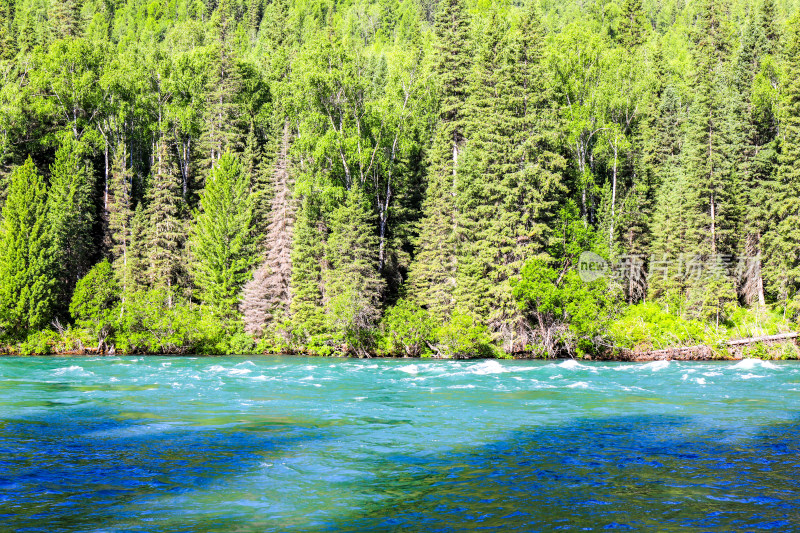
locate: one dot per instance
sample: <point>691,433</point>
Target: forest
<point>397,177</point>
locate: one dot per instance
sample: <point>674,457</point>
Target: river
<point>295,444</point>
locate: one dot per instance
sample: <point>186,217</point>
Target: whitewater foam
<point>572,364</point>
<point>409,369</point>
<point>72,369</point>
<point>655,366</point>
<point>487,367</point>
<point>750,364</point>
<point>578,385</point>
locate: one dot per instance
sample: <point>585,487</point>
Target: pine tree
<point>224,127</point>
<point>65,17</point>
<point>482,235</point>
<point>633,24</point>
<point>353,284</point>
<point>71,217</point>
<point>165,219</point>
<point>27,264</point>
<point>120,214</point>
<point>782,243</point>
<point>709,154</point>
<point>509,178</point>
<point>756,130</point>
<point>7,42</point>
<point>432,275</point>
<point>673,235</point>
<point>533,186</point>
<point>222,240</point>
<point>137,262</point>
<point>255,10</point>
<point>308,251</point>
<point>266,299</point>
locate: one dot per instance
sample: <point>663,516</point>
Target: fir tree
<point>308,251</point>
<point>222,240</point>
<point>266,299</point>
<point>709,154</point>
<point>27,264</point>
<point>64,16</point>
<point>782,244</point>
<point>224,131</point>
<point>120,215</point>
<point>353,285</point>
<point>7,41</point>
<point>71,216</point>
<point>633,24</point>
<point>432,275</point>
<point>165,223</point>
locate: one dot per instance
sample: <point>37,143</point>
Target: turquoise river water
<point>156,444</point>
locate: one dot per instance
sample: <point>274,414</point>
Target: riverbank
<point>783,346</point>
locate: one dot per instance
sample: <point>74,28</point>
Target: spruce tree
<point>483,234</point>
<point>27,263</point>
<point>266,299</point>
<point>713,207</point>
<point>782,268</point>
<point>120,216</point>
<point>633,24</point>
<point>222,241</point>
<point>353,284</point>
<point>166,229</point>
<point>308,255</point>
<point>509,180</point>
<point>224,120</point>
<point>65,18</point>
<point>7,41</point>
<point>433,272</point>
<point>71,211</point>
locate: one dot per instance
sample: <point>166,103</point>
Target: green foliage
<point>462,337</point>
<point>566,310</point>
<point>220,337</point>
<point>648,326</point>
<point>408,329</point>
<point>42,342</point>
<point>424,152</point>
<point>222,240</point>
<point>155,321</point>
<point>71,215</point>
<point>27,263</point>
<point>94,301</point>
<point>353,283</point>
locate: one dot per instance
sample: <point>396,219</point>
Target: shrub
<point>407,329</point>
<point>94,301</point>
<point>462,337</point>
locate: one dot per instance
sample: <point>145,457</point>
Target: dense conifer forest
<point>397,177</point>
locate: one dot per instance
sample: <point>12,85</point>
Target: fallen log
<point>765,338</point>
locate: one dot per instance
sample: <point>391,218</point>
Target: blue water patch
<point>289,444</point>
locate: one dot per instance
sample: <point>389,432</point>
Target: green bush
<point>407,330</point>
<point>648,326</point>
<point>156,321</point>
<point>215,335</point>
<point>39,343</point>
<point>94,301</point>
<point>462,337</point>
<point>566,311</point>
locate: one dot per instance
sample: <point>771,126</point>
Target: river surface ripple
<point>156,444</point>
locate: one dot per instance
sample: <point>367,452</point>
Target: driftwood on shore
<point>765,338</point>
